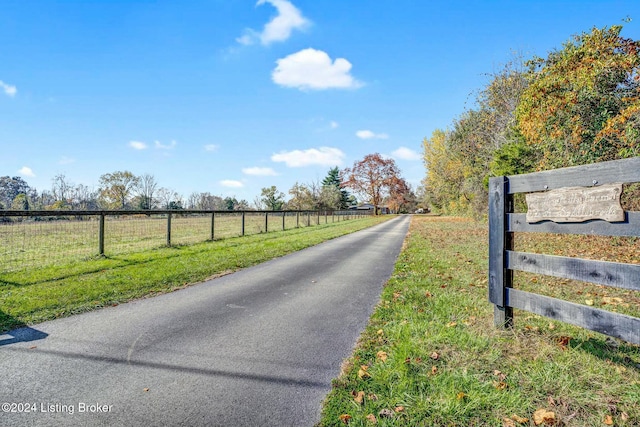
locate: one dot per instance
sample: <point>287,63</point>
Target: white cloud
<point>159,146</point>
<point>257,171</point>
<point>26,171</point>
<point>279,29</point>
<point>334,125</point>
<point>231,183</point>
<point>325,156</point>
<point>211,147</point>
<point>137,145</point>
<point>313,69</point>
<point>367,134</point>
<point>8,89</point>
<point>405,153</point>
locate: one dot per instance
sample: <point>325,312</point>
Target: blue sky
<point>229,96</point>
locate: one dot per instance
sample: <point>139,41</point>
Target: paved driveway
<point>254,348</point>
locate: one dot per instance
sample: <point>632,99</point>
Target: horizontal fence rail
<point>504,260</point>
<point>33,239</point>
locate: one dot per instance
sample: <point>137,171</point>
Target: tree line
<point>579,105</point>
<point>374,179</point>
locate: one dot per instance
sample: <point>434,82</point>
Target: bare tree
<point>62,189</point>
<point>146,189</point>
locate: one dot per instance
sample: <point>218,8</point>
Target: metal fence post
<point>283,218</point>
<point>266,222</point>
<point>242,234</point>
<point>297,219</point>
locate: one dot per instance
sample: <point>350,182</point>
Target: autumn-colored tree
<point>458,161</point>
<point>116,189</point>
<point>272,198</point>
<point>583,101</point>
<point>372,177</point>
<point>445,178</point>
<point>401,198</point>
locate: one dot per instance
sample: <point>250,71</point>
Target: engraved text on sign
<point>576,204</point>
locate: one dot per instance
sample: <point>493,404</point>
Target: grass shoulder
<point>431,356</point>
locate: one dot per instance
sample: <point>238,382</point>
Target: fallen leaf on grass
<point>519,420</point>
<point>345,418</point>
<point>608,420</point>
<point>588,301</point>
<point>372,419</point>
<point>362,372</point>
<point>507,422</point>
<point>434,355</point>
<point>461,395</point>
<point>382,355</point>
<point>563,342</point>
<point>399,408</point>
<point>542,416</point>
<point>500,374</point>
<point>386,413</point>
<point>428,294</point>
<point>500,385</point>
<point>359,397</point>
<point>380,332</point>
<point>434,370</point>
<point>452,324</point>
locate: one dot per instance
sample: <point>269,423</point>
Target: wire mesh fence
<point>38,239</point>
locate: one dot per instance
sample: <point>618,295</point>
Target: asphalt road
<point>255,348</point>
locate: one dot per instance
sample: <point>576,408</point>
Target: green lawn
<point>432,357</point>
<point>33,295</point>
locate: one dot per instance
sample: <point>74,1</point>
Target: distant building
<point>382,210</point>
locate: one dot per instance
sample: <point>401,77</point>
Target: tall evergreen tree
<point>333,180</point>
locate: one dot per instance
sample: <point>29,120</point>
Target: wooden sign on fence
<point>576,204</point>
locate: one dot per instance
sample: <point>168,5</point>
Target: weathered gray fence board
<point>613,274</point>
<point>612,324</point>
<point>496,240</point>
<point>626,170</point>
<point>517,222</point>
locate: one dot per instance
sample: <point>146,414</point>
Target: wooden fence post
<point>284,216</point>
<point>169,229</point>
<point>213,225</point>
<point>101,236</point>
<point>500,202</point>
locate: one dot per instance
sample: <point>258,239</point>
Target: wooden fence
<point>32,239</point>
<point>567,207</point>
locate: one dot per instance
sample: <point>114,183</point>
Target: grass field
<point>432,357</point>
<point>36,244</point>
<point>63,288</point>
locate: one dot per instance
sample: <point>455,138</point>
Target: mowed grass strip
<point>29,297</point>
<point>432,357</point>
